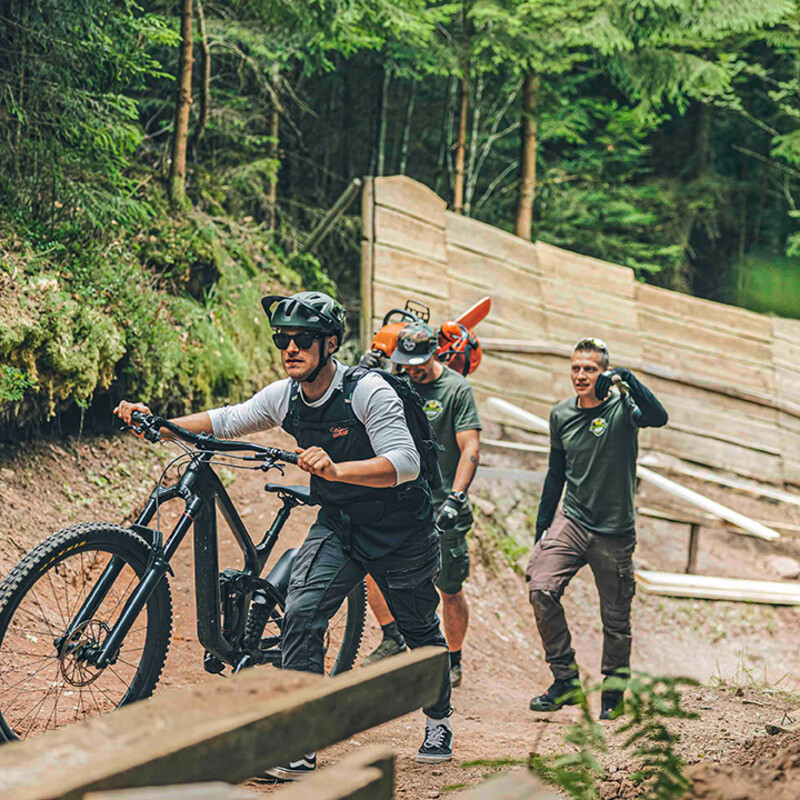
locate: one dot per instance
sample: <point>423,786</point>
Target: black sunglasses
<point>303,340</point>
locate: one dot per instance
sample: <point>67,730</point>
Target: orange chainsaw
<point>459,348</point>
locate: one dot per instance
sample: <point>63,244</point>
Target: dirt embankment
<point>741,653</point>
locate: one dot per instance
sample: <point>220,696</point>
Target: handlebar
<point>150,426</point>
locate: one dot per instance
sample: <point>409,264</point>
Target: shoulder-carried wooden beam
<point>224,730</point>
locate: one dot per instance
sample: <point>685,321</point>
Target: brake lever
<point>273,465</point>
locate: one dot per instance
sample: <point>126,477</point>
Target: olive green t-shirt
<point>601,446</point>
<point>450,406</point>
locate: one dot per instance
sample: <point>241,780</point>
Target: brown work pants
<point>555,559</point>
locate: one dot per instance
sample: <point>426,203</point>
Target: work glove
<point>450,509</point>
<point>604,382</point>
<point>372,359</point>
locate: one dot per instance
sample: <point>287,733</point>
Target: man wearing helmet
<point>376,513</point>
<point>450,406</point>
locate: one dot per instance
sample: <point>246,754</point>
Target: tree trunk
<point>407,128</point>
<point>473,146</point>
<point>527,164</point>
<point>384,104</point>
<point>177,170</point>
<point>274,122</point>
<point>205,83</point>
<point>461,144</point>
<point>444,163</point>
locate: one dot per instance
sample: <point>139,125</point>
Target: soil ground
<point>744,656</point>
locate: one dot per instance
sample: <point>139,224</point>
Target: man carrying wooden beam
<point>593,449</point>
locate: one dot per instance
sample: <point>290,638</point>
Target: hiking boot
<point>455,675</point>
<point>438,745</point>
<point>387,647</point>
<point>611,704</point>
<point>295,770</point>
<point>561,693</point>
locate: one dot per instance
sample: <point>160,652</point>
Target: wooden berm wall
<point>728,377</point>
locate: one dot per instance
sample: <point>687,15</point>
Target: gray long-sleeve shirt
<point>375,404</point>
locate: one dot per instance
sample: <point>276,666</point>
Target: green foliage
<point>13,383</point>
<point>650,703</point>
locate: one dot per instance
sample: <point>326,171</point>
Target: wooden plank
<point>724,317</point>
<point>694,546</point>
<point>717,454</point>
<point>625,344</point>
<point>411,197</point>
<point>227,730</point>
<point>586,272</point>
<point>686,333</point>
<point>189,791</point>
<point>510,280</point>
<point>410,273</point>
<point>527,448</point>
<point>674,584</point>
<point>690,471</point>
<point>516,785</point>
<point>367,774</point>
<point>367,261</point>
<point>469,234</point>
<point>410,234</point>
<point>531,421</point>
<point>711,506</point>
<point>588,305</point>
<point>514,313</point>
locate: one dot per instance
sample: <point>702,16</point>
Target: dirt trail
<point>46,486</point>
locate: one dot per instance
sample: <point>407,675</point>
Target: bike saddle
<point>302,494</point>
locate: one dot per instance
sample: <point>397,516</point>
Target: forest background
<point>162,163</point>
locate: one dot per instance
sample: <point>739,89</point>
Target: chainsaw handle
<point>404,314</point>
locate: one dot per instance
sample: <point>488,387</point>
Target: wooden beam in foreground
<point>367,774</point>
<point>224,730</point>
<point>704,587</point>
<point>517,785</point>
<point>188,791</point>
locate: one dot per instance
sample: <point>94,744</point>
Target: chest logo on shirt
<point>337,433</point>
<point>432,408</point>
<point>598,426</point>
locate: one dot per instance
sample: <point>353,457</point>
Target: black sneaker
<point>561,693</point>
<point>611,705</point>
<point>295,770</point>
<point>438,745</point>
<point>388,647</point>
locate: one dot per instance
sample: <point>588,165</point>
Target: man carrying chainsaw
<point>450,406</point>
<point>369,475</point>
<point>593,449</point>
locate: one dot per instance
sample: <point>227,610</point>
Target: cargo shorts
<point>455,556</point>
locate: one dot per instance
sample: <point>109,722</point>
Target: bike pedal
<point>212,664</point>
<point>244,662</point>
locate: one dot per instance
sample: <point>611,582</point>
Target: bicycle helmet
<point>415,344</point>
<point>312,311</point>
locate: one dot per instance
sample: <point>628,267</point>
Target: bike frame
<point>202,492</point>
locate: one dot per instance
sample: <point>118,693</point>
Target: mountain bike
<point>86,616</point>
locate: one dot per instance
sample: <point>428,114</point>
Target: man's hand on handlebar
<point>316,461</point>
<point>125,409</point>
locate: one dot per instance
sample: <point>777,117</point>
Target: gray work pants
<point>554,561</point>
<point>324,574</point>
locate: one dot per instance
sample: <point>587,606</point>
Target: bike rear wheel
<point>45,680</point>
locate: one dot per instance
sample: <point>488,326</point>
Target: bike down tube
<point>116,564</point>
<point>141,594</point>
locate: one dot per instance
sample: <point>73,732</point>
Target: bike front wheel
<point>46,678</point>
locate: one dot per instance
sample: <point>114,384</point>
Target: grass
<point>768,284</point>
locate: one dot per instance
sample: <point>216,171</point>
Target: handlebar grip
<point>289,458</point>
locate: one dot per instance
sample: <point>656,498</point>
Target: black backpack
<point>416,419</point>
